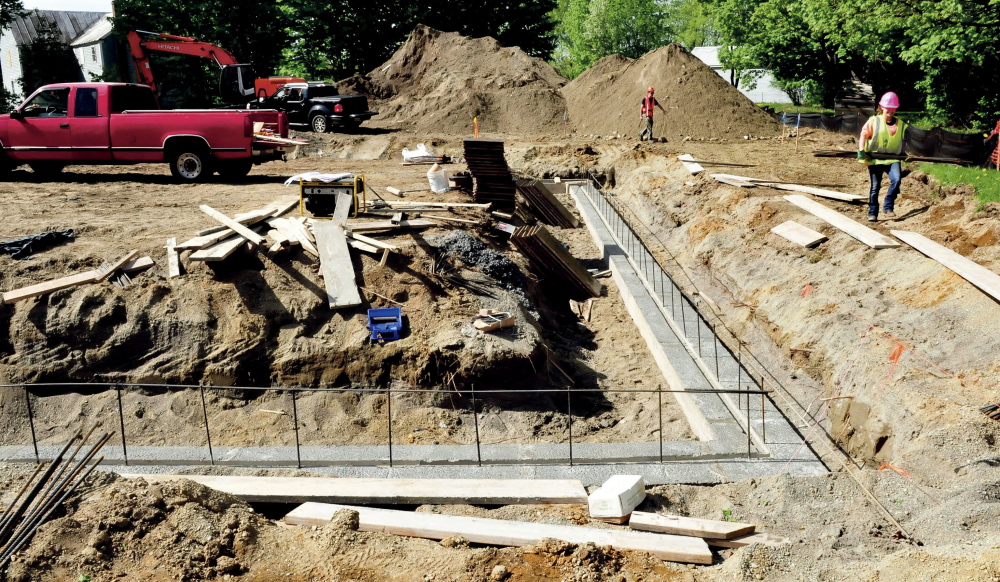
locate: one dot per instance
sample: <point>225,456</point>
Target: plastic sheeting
<point>934,143</point>
<point>24,247</point>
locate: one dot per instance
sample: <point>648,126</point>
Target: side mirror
<point>16,114</point>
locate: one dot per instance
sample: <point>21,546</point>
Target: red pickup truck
<point>118,123</point>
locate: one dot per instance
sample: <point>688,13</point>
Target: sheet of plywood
<point>238,228</point>
<point>504,533</point>
<point>798,234</point>
<point>173,259</point>
<point>857,230</point>
<point>390,491</point>
<point>689,163</point>
<point>335,264</point>
<point>70,281</point>
<point>688,526</point>
<point>987,281</point>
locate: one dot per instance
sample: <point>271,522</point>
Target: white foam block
<point>618,496</point>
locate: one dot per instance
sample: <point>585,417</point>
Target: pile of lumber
<point>488,166</point>
<point>219,242</point>
<point>545,205</point>
<point>552,261</point>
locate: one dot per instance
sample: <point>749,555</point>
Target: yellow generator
<point>320,198</point>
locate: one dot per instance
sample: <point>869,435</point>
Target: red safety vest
<point>648,102</point>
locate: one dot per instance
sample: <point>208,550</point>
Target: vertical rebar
<point>31,423</point>
<point>763,425</point>
<point>739,374</point>
<point>569,413</point>
<point>475,420</point>
<point>715,349</point>
<point>684,323</point>
<point>388,417</point>
<point>659,397</point>
<point>295,421</point>
<point>748,427</point>
<point>697,321</point>
<point>121,423</point>
<point>208,433</point>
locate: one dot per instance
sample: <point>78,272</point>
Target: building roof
<point>71,24</point>
<point>97,32</point>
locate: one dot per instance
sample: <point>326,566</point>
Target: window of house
<point>93,53</point>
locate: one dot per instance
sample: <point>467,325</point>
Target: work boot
<point>872,218</point>
<point>889,214</point>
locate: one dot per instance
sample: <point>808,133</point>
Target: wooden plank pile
<point>488,166</point>
<point>552,260</point>
<point>545,205</point>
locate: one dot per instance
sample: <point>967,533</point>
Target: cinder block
<point>616,499</point>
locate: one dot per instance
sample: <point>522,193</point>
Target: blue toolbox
<point>385,323</point>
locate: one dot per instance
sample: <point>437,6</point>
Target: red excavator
<point>237,81</point>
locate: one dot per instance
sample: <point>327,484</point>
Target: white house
<point>95,49</point>
<point>24,29</point>
<point>764,92</point>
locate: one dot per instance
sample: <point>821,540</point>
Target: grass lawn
<point>986,182</point>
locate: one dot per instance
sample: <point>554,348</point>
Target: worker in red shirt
<point>646,114</point>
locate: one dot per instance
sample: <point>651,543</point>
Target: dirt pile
<point>438,81</point>
<point>605,99</point>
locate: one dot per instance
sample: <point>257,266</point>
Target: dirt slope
<point>605,99</point>
<point>438,81</point>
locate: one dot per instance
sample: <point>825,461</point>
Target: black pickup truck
<point>318,105</point>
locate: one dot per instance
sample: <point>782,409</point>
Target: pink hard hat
<point>889,101</point>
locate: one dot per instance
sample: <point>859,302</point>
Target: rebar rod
<point>475,421</point>
<point>121,424</point>
<point>208,433</point>
<point>295,420</point>
<point>9,509</point>
<point>31,422</point>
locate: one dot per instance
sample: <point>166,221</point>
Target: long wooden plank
<point>798,234</point>
<point>388,225</point>
<point>371,241</point>
<point>173,259</point>
<point>986,280</point>
<point>390,491</point>
<point>757,538</point>
<point>272,210</point>
<point>688,526</point>
<point>70,281</point>
<point>733,181</point>
<point>400,203</point>
<point>220,251</point>
<point>857,230</point>
<point>504,533</point>
<point>365,247</point>
<point>105,272</point>
<point>237,227</point>
<point>335,264</point>
<point>832,194</point>
<point>689,163</point>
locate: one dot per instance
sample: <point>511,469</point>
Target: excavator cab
<point>236,82</point>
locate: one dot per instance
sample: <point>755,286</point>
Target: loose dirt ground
<point>899,427</point>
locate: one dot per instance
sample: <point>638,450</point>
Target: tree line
<point>940,57</point>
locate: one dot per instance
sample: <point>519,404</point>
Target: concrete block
<point>617,497</point>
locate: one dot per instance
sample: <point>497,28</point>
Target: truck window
<point>323,92</point>
<point>48,103</point>
<point>131,98</point>
<point>86,103</point>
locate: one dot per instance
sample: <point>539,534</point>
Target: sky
<point>72,5</point>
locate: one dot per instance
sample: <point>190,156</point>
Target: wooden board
<point>173,259</point>
<point>371,241</point>
<point>857,230</point>
<point>986,280</point>
<point>272,210</point>
<point>220,251</point>
<point>343,207</point>
<point>387,225</point>
<point>365,247</point>
<point>104,273</point>
<point>832,194</point>
<point>689,163</point>
<point>757,538</point>
<point>335,264</point>
<point>733,181</point>
<point>798,234</point>
<point>504,533</point>
<point>688,526</point>
<point>390,491</point>
<point>238,228</point>
<point>70,281</point>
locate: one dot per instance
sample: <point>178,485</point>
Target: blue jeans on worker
<point>875,172</point>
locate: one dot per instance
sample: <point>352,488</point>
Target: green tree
<point>47,59</point>
<point>693,23</point>
<point>592,29</point>
<point>253,31</point>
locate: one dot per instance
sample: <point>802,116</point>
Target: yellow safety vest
<point>882,142</point>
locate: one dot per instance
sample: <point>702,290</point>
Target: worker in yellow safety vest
<point>646,114</point>
<point>883,133</point>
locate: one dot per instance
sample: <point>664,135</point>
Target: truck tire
<point>190,164</point>
<point>319,124</point>
<point>235,169</point>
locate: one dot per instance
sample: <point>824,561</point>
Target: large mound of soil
<point>606,98</point>
<point>438,81</point>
